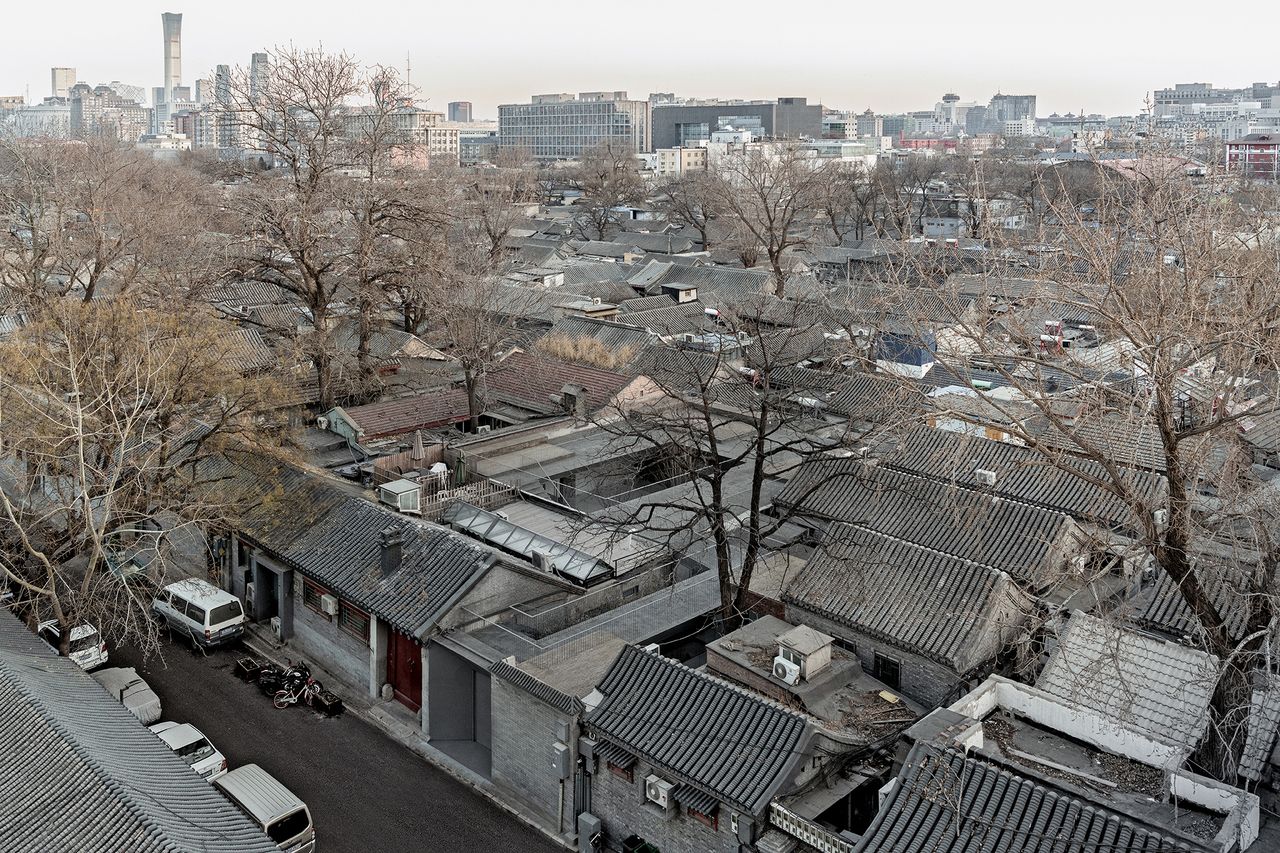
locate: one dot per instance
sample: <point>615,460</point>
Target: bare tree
<point>294,118</point>
<point>83,217</point>
<point>107,408</point>
<point>609,178</point>
<point>1156,329</point>
<point>848,199</point>
<point>692,201</point>
<point>729,428</point>
<point>772,194</point>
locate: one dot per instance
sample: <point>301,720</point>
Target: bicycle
<point>295,684</point>
<point>302,692</point>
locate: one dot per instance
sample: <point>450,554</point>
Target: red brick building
<point>1256,156</point>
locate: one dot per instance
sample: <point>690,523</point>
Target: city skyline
<point>119,43</point>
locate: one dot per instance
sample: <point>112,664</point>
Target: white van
<point>208,615</point>
<point>272,806</point>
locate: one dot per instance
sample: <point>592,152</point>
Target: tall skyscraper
<point>459,111</point>
<point>63,80</point>
<point>224,119</point>
<point>172,22</point>
<point>259,68</point>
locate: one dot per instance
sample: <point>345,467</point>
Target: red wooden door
<point>404,670</point>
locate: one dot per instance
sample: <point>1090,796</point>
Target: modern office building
<point>1007,108</point>
<point>562,127</point>
<point>63,79</point>
<point>172,23</point>
<point>687,125</point>
<point>460,111</point>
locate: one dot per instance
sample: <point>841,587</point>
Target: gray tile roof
<point>1162,607</point>
<point>911,597</point>
<point>537,688</point>
<point>1264,719</point>
<point>1021,473</point>
<point>946,801</point>
<point>81,775</point>
<point>333,538</point>
<point>646,303</point>
<point>1012,536</point>
<point>1156,688</point>
<point>733,745</point>
<point>670,319</point>
<point>615,336</point>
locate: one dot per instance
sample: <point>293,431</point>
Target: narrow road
<point>365,791</point>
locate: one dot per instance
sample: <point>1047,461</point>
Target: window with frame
<point>888,670</point>
<point>712,820</point>
<point>354,621</point>
<point>618,770</point>
<point>311,592</point>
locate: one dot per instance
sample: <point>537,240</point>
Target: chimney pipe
<point>391,541</point>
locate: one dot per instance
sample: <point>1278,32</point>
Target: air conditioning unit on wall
<point>785,670</point>
<point>658,791</point>
<point>329,604</point>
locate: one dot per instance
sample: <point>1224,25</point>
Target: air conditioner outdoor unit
<point>322,422</point>
<point>277,628</point>
<point>985,477</point>
<point>541,559</point>
<point>329,604</point>
<point>483,428</point>
<point>785,670</point>
<point>658,790</point>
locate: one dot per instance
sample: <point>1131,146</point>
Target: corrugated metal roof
<point>1159,689</point>
<point>946,801</point>
<point>719,739</point>
<point>912,597</point>
<point>81,775</point>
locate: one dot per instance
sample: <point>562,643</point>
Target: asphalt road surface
<point>367,793</point>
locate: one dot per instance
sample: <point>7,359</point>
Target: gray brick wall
<point>625,811</point>
<point>524,732</point>
<point>922,680</point>
<point>317,639</point>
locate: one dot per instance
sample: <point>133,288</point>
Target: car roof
<point>259,792</point>
<point>78,632</point>
<point>200,592</point>
<point>180,734</point>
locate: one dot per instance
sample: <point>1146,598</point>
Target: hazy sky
<point>1102,57</point>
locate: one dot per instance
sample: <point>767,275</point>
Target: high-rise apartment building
<point>172,23</point>
<point>460,111</point>
<point>101,111</point>
<point>224,117</point>
<point>560,127</point>
<point>63,80</point>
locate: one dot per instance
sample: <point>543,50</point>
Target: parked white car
<point>193,747</point>
<point>87,647</point>
<point>127,687</point>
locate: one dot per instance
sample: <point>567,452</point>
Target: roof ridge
<point>706,676</point>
